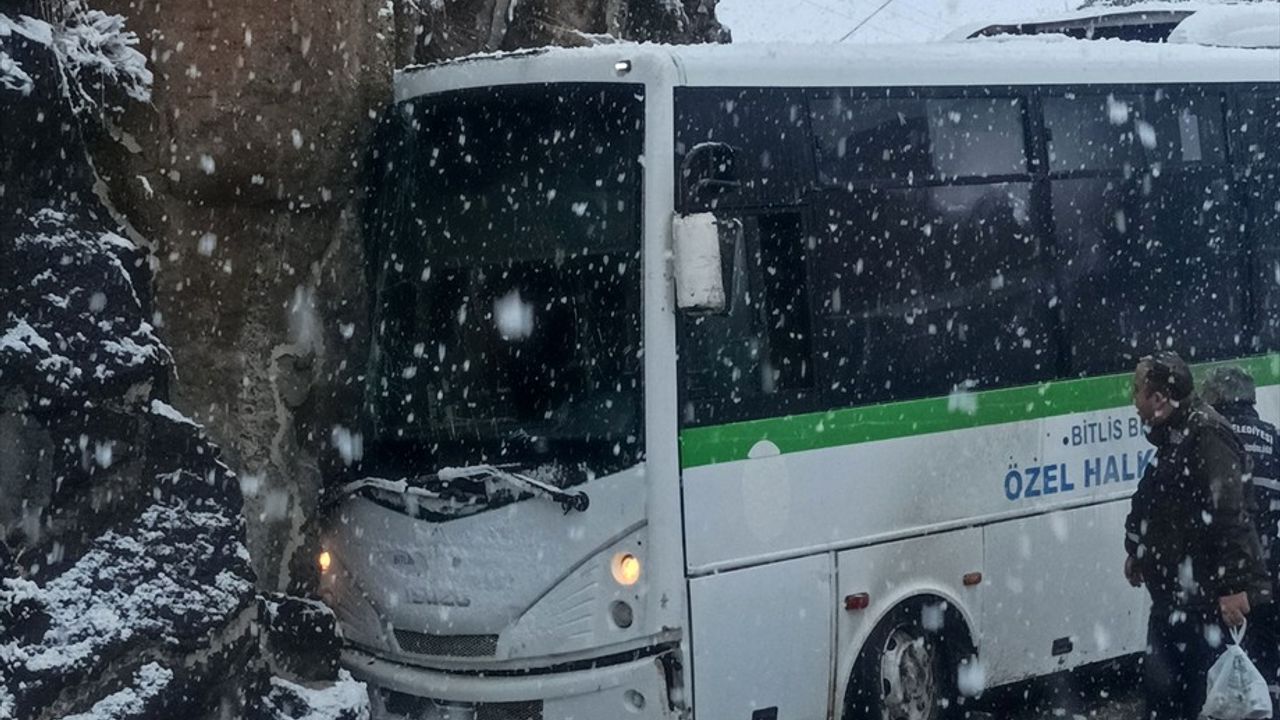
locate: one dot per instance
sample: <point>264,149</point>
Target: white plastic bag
<point>1237,691</point>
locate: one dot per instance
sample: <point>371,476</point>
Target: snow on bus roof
<point>1231,26</point>
<point>1201,22</point>
<point>1108,14</point>
<point>1002,60</point>
<point>1012,60</point>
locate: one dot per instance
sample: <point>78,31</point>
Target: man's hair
<point>1228,384</point>
<point>1169,374</point>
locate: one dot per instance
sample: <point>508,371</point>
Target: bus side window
<point>764,130</point>
<point>1092,153</point>
<point>1257,128</point>
<point>760,348</point>
<point>909,139</point>
<point>925,291</point>
<point>1147,230</point>
<point>1182,127</point>
<point>929,272</point>
<point>1090,132</point>
<point>785,286</point>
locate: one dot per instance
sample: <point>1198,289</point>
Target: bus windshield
<point>504,255</point>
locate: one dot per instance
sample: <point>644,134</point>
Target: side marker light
<point>859,601</point>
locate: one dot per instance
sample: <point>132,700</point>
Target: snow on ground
<point>345,699</point>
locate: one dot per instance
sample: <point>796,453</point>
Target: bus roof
<point>1198,22</point>
<point>1034,60</point>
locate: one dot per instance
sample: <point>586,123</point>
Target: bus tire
<point>906,671</point>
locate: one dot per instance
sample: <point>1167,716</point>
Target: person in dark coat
<point>1189,537</point>
<point>1231,391</point>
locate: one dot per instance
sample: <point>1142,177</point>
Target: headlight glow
<point>325,560</point>
<point>626,569</point>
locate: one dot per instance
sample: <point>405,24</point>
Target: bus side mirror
<point>709,170</point>
<point>704,249</point>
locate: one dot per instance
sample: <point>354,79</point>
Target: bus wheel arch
<point>913,657</point>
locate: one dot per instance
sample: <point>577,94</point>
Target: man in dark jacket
<point>1189,537</point>
<point>1230,390</point>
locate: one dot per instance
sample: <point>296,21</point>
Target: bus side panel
<point>932,566</point>
<point>745,512</point>
<point>762,639</point>
<point>1056,593</point>
<point>1268,404</point>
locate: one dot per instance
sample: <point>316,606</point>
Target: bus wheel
<point>904,673</point>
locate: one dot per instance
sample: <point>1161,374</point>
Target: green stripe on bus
<point>848,426</point>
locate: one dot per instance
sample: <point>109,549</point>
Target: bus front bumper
<point>635,689</point>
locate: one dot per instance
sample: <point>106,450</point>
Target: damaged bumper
<point>633,689</point>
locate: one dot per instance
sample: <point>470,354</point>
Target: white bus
<point>740,383</point>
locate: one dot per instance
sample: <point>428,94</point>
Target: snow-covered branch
<point>97,55</point>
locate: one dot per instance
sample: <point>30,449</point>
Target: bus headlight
<point>626,569</point>
<point>325,561</point>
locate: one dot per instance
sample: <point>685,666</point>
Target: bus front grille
<point>447,645</point>
<point>402,705</point>
<point>509,711</point>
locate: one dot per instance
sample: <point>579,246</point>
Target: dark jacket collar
<point>1175,428</point>
<point>1241,409</point>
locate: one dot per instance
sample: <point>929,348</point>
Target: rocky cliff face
<point>125,585</point>
<point>242,174</point>
<point>182,327</point>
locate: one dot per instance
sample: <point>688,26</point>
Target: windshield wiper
<point>395,486</point>
<point>486,474</point>
<point>576,500</point>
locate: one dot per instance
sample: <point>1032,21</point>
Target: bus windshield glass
<point>504,251</point>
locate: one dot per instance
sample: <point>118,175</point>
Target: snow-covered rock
<point>126,589</point>
<point>97,55</point>
<point>171,585</point>
<point>344,699</point>
<point>74,324</point>
<point>150,682</point>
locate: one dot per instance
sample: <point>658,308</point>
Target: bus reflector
<point>971,579</point>
<point>860,601</point>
